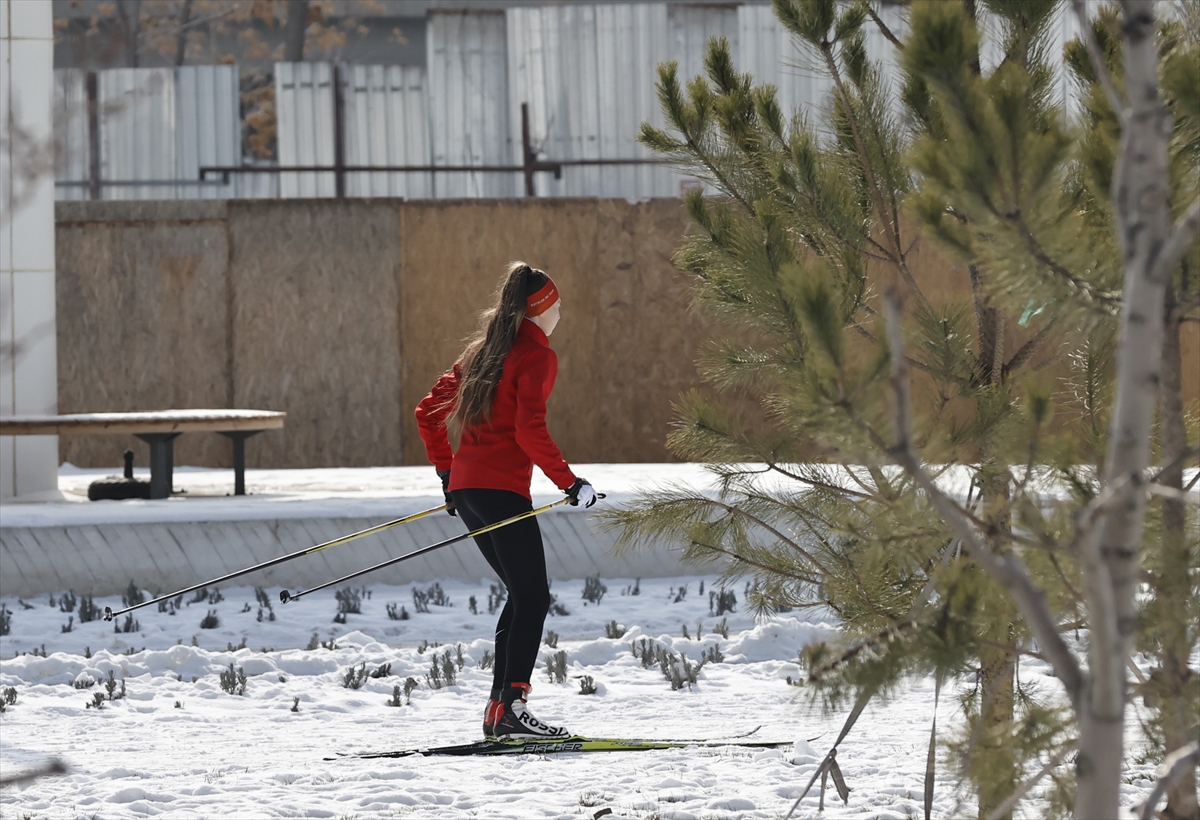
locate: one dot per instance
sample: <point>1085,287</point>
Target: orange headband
<point>541,301</point>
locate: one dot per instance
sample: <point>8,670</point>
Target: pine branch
<point>1009,802</point>
<point>868,170</point>
<point>1031,347</point>
<point>1005,569</point>
<point>1035,249</point>
<point>1099,66</point>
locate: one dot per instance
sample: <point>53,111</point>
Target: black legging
<point>515,554</point>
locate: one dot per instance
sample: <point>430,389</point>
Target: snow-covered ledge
<point>28,352</point>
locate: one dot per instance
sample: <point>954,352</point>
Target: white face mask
<point>547,320</point>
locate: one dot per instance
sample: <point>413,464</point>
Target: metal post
<point>238,437</point>
<point>339,132</point>
<point>93,125</point>
<point>528,158</point>
<point>162,462</point>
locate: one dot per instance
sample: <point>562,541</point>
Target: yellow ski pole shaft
<point>286,596</point>
<point>109,614</point>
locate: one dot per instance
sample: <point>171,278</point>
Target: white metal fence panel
<point>137,132</point>
<point>691,29</point>
<point>587,74</point>
<point>468,102</point>
<point>304,127</point>
<point>71,155</point>
<point>385,123</point>
<point>208,128</point>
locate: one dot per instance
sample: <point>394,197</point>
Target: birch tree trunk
<point>1110,560</point>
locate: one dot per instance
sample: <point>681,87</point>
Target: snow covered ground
<point>177,745</point>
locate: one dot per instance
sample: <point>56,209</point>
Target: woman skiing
<point>494,402</point>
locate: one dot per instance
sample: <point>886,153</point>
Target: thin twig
<point>1173,494</point>
<point>1183,234</point>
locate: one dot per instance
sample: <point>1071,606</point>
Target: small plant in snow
<point>330,644</point>
<point>614,630</point>
<point>487,660</point>
<point>234,682</point>
<point>67,602</point>
<point>722,628</point>
<point>314,643</point>
<point>5,620</point>
<point>355,676</point>
<point>449,669</point>
<point>296,704</point>
<point>229,647</point>
<point>721,602</point>
<point>645,651</point>
<point>210,621</point>
<point>426,645</point>
<point>556,608</point>
<point>587,686</point>
<point>97,701</point>
<point>636,589</point>
<point>10,696</point>
<point>678,596</point>
<point>402,615</point>
<point>593,589</point>
<point>129,625</point>
<point>394,700</point>
<point>495,598</point>
<point>349,601</point>
<point>551,639</point>
<point>132,596</point>
<point>473,605</point>
<point>712,655</point>
<point>69,625</point>
<point>83,681</point>
<point>433,596</point>
<point>88,611</point>
<point>556,667</point>
<point>686,636</point>
<point>383,671</point>
<point>110,686</point>
<point>410,686</point>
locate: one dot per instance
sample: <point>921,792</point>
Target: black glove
<point>444,475</point>
<point>581,492</point>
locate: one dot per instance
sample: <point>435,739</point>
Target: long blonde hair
<point>482,360</point>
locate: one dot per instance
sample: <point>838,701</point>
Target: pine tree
<point>928,525</point>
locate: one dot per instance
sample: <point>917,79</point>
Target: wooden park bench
<point>158,429</point>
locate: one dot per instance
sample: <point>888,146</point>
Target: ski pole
<point>286,596</point>
<point>109,614</point>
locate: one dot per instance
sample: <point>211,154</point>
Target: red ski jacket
<point>500,453</point>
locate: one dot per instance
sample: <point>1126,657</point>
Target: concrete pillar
<point>28,350</point>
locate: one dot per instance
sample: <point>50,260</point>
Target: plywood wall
<point>344,313</point>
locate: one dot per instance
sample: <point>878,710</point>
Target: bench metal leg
<point>162,462</point>
<point>239,457</point>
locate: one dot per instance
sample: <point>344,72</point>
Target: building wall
<point>28,378</point>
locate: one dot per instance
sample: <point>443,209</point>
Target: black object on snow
<point>119,487</point>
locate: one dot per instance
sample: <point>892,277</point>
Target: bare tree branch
<point>1173,767</point>
<point>1173,494</point>
<point>883,28</point>
<point>1183,234</point>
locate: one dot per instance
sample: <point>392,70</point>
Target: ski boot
<point>513,720</point>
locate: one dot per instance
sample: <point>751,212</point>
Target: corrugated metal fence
<point>585,71</point>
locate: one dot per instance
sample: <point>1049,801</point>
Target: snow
<point>177,745</point>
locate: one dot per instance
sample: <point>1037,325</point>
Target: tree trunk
<point>297,25</point>
<point>1172,682</point>
<point>130,12</point>
<point>185,17</point>
<point>1110,560</point>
